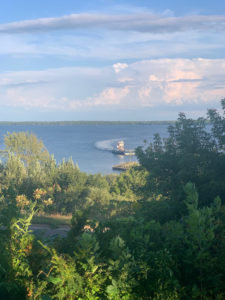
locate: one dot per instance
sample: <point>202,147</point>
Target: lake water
<point>89,145</point>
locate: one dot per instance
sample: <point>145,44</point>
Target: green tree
<point>218,125</point>
<point>26,146</point>
<point>190,153</point>
<point>14,171</point>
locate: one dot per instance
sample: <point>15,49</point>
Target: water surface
<point>89,145</point>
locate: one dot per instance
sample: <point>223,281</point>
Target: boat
<point>120,149</point>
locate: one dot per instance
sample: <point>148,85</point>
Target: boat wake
<point>106,145</point>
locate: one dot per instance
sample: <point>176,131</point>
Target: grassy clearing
<point>54,220</point>
<point>125,166</point>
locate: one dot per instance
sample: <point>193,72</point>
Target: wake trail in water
<point>106,145</point>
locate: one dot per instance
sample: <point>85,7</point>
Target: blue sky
<point>110,60</point>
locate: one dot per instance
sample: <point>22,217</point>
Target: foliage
<point>192,152</point>
<point>16,239</point>
<point>154,232</point>
<point>26,146</point>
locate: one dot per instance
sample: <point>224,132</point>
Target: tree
<point>14,171</point>
<point>191,153</point>
<point>218,125</point>
<point>27,147</point>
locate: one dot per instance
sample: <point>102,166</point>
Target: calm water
<point>89,145</point>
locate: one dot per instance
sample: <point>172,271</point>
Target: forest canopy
<point>155,231</point>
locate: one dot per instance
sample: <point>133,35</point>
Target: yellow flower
<point>38,193</point>
<point>21,201</point>
<point>48,202</point>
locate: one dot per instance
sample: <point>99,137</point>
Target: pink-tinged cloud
<point>110,96</point>
<point>149,83</point>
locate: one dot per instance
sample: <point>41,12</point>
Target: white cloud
<point>115,46</point>
<point>119,66</point>
<point>149,83</point>
<point>143,22</point>
<point>110,96</point>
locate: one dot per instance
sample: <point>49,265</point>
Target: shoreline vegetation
<point>153,232</point>
<point>125,166</point>
<point>67,123</point>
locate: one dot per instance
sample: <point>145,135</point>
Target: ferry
<point>120,149</point>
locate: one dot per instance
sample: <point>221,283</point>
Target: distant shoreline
<point>64,123</point>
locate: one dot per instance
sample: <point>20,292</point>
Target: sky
<point>110,60</point>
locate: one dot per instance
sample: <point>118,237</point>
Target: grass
<point>125,166</point>
<point>53,220</point>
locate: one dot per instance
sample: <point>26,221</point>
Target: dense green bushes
<point>154,232</point>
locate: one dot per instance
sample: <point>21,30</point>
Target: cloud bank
<point>144,22</point>
<point>154,84</point>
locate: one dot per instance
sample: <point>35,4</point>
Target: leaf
<point>54,280</point>
<point>111,290</point>
<point>45,297</point>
